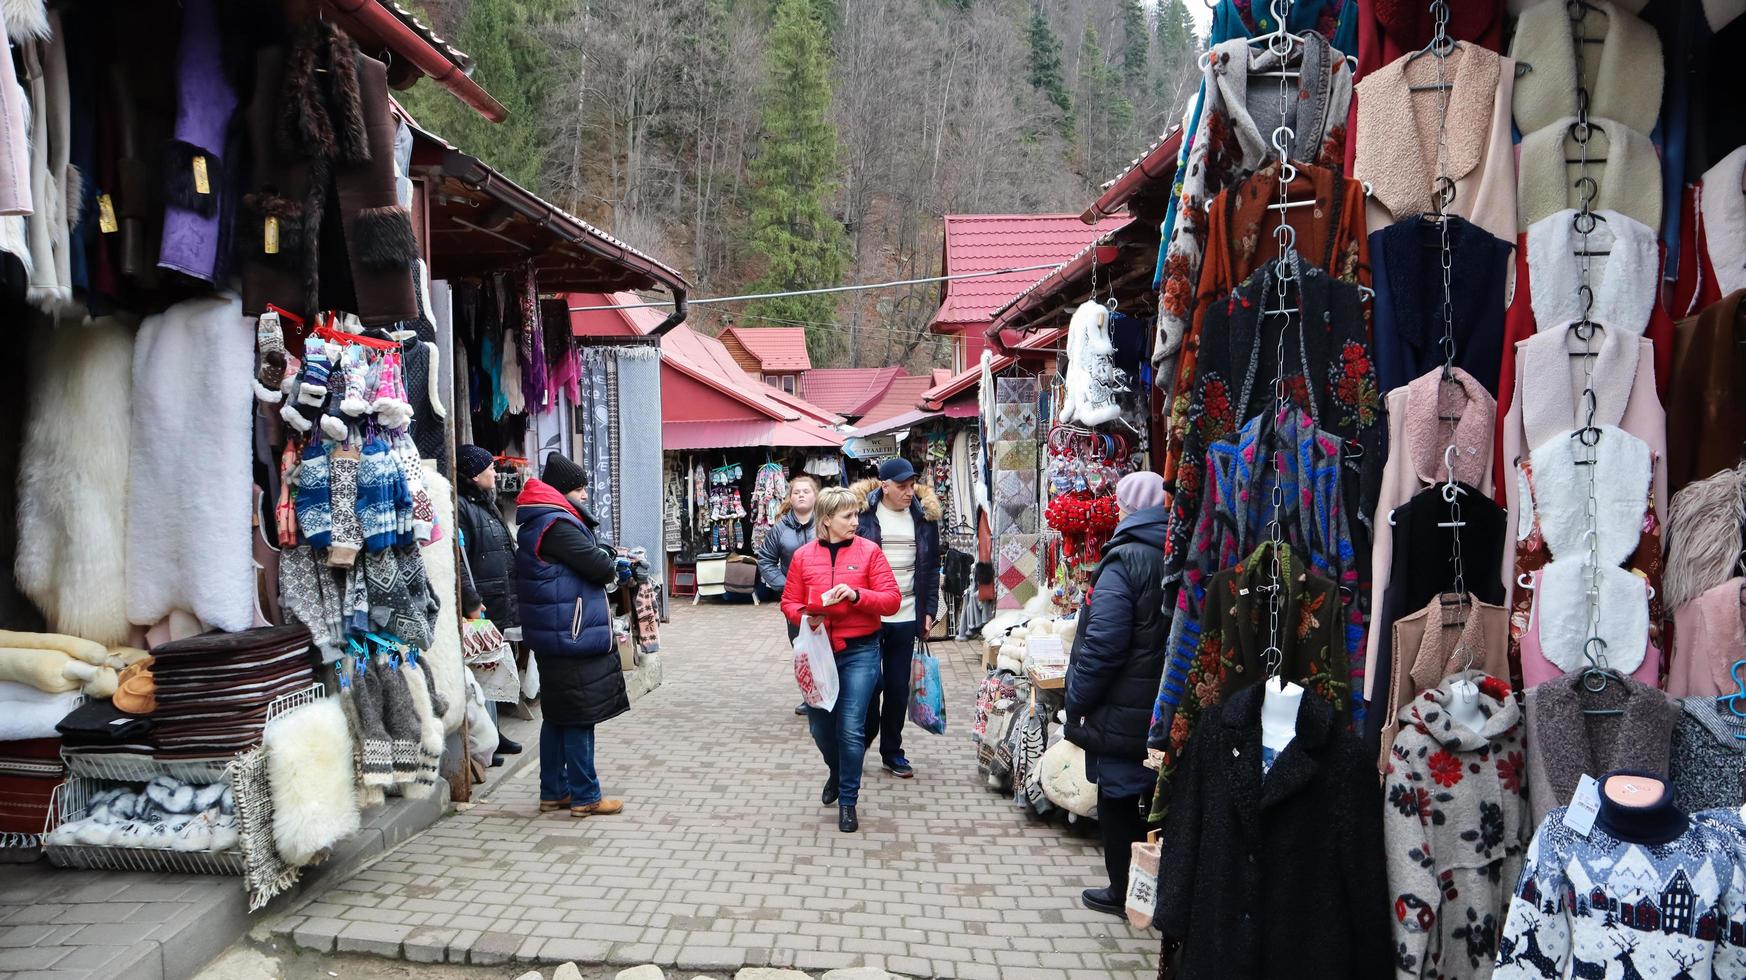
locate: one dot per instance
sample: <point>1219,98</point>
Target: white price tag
<point>1584,806</point>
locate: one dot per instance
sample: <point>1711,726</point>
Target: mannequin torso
<point>1464,706</point>
<point>1278,717</point>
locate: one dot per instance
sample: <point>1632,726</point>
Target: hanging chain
<point>1285,269</point>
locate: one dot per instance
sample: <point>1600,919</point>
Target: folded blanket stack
<point>213,690</point>
<point>27,713</point>
<point>29,772</point>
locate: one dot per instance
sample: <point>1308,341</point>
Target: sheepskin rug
<point>443,659</point>
<point>309,769</point>
<point>190,491</point>
<point>72,493</point>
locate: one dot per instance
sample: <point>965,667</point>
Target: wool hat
<point>1138,491</point>
<point>563,475</point>
<point>472,460</point>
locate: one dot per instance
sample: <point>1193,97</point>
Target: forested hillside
<point>778,144</point>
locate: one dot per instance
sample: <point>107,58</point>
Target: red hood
<point>538,493</point>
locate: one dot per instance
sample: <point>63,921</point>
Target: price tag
<point>202,185</point>
<point>270,236</point>
<point>106,215</point>
<point>1584,806</point>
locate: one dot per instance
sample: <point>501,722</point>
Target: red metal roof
<point>985,242</point>
<point>776,348</point>
<point>846,391</point>
<point>707,402</point>
<point>902,395</point>
<point>1156,166</point>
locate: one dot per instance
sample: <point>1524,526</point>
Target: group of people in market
<point>861,563</point>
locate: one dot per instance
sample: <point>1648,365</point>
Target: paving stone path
<point>723,857</point>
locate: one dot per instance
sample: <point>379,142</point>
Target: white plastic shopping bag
<point>815,668</point>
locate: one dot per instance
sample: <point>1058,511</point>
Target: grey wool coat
<point>1564,743</point>
<point>1455,827</point>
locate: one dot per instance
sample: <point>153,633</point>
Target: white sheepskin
<point>189,496</point>
<point>309,770</point>
<point>72,500</point>
<point>443,659</point>
<point>25,19</point>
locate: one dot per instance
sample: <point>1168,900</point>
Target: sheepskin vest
<point>323,139</point>
<point>561,614</point>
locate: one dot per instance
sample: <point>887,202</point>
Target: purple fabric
<point>204,104</point>
<point>533,343</point>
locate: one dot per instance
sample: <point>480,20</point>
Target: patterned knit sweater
<point>1708,759</point>
<point>1630,900</point>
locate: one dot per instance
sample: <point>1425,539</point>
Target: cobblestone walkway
<point>723,857</point>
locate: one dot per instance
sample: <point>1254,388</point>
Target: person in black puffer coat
<point>1112,680</point>
<point>490,550</point>
<point>561,573</point>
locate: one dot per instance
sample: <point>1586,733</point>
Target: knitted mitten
<point>378,753</point>
<point>378,474</point>
<point>359,372</point>
<point>314,497</point>
<point>270,357</point>
<point>333,423</point>
<point>313,389</point>
<point>348,534</point>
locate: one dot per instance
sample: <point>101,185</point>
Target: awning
<point>894,423</point>
<point>734,434</point>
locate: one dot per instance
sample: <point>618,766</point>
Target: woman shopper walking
<point>792,529</point>
<point>904,521</point>
<point>1118,657</point>
<point>561,576</point>
<point>841,581</point>
<point>490,551</point>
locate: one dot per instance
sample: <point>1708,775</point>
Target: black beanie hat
<point>472,460</point>
<point>562,475</point>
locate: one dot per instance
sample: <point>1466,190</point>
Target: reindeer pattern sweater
<point>1633,899</point>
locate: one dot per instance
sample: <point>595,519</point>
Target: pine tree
<point>1105,114</point>
<point>1047,75</point>
<point>792,178</point>
<point>1135,44</point>
<point>1178,47</point>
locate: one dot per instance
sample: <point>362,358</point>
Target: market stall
<point>228,616</point>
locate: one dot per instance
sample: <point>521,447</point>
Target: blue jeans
<point>840,732</point>
<point>567,764</point>
<point>889,707</point>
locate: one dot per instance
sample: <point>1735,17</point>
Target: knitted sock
<point>334,424</point>
<point>313,389</point>
<point>355,601</point>
<point>401,717</point>
<point>270,357</point>
<point>430,730</point>
<point>390,404</point>
<point>438,703</point>
<point>377,475</point>
<point>348,534</point>
<point>358,374</point>
<point>370,699</point>
<point>420,520</point>
<point>314,497</point>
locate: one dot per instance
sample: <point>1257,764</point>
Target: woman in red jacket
<point>843,583</point>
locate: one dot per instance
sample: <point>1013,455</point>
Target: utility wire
<point>817,292</point>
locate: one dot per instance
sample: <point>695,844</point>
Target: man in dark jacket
<point>561,576</point>
<point>1118,657</point>
<point>904,521</point>
<point>489,549</point>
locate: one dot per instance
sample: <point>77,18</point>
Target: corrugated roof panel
<point>776,348</point>
<point>985,242</point>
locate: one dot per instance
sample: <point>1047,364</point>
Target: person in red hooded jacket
<point>842,582</point>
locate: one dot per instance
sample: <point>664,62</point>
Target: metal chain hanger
<point>1285,268</point>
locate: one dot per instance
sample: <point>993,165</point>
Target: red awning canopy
<point>735,434</point>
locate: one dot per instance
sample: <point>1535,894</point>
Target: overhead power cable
<point>816,292</point>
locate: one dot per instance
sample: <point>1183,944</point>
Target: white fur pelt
<point>1091,375</point>
<point>1702,535</point>
<point>309,769</point>
<point>190,490</point>
<point>443,659</point>
<point>25,19</point>
<point>72,492</point>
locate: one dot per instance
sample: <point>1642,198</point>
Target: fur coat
<point>1706,424</point>
<point>1564,743</point>
<point>1455,826</point>
<point>190,491</point>
<point>72,498</point>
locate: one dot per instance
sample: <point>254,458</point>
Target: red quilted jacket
<point>861,566</point>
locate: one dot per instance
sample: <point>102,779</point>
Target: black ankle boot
<point>507,746</point>
<point>847,822</point>
<point>829,795</point>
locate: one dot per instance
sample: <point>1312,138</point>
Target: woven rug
<point>1016,571</point>
<point>639,460</point>
<point>1019,390</point>
<point>1015,421</point>
<point>594,429</point>
<point>1015,503</point>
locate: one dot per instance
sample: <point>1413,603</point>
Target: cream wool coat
<point>72,494</point>
<point>1397,140</point>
